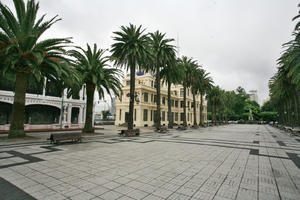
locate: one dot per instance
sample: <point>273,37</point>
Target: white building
<point>45,111</point>
<point>253,95</point>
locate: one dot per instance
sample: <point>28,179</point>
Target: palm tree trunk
<point>18,108</point>
<point>158,114</point>
<point>184,105</point>
<point>201,109</point>
<point>297,107</point>
<point>289,113</point>
<point>195,116</point>
<point>170,117</point>
<point>132,94</point>
<point>88,126</point>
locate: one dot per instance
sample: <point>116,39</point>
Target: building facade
<point>44,110</point>
<point>253,95</point>
<point>145,103</point>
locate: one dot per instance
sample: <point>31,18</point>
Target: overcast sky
<point>237,41</point>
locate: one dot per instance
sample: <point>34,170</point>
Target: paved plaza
<point>226,162</point>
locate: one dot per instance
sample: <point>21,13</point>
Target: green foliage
<point>131,50</point>
<point>268,106</point>
<point>284,86</point>
<point>268,116</point>
<point>105,114</point>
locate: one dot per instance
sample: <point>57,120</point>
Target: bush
<point>268,116</point>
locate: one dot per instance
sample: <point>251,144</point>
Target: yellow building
<point>145,103</point>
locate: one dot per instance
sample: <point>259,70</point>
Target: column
<point>44,87</point>
<point>83,114</point>
<point>80,115</point>
<point>69,114</point>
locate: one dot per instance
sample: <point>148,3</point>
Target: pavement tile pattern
<point>232,162</point>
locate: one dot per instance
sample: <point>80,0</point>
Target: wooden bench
<point>58,137</point>
<point>128,133</point>
<point>162,129</point>
<point>181,127</point>
<point>295,132</point>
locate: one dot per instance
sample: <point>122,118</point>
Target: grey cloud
<point>238,41</point>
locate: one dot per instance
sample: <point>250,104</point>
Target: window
<point>145,97</point>
<point>164,100</point>
<point>154,98</point>
<point>175,92</point>
<point>127,82</point>
<point>151,97</point>
<point>181,92</point>
<point>181,104</point>
<point>145,115</point>
<point>192,105</point>
<point>188,104</point>
<point>188,117</point>
<point>151,116</point>
<point>176,116</point>
<point>163,113</point>
<point>176,104</point>
<point>172,103</point>
<point>152,84</point>
<point>188,92</point>
<point>120,115</point>
<point>172,116</point>
<point>181,116</point>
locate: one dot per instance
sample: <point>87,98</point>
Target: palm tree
<point>172,73</point>
<point>92,65</point>
<point>163,53</point>
<point>193,80</point>
<point>204,85</point>
<point>285,84</point>
<point>131,50</point>
<point>22,53</point>
<point>187,64</point>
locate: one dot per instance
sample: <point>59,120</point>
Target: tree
<point>284,86</point>
<point>131,50</point>
<point>194,85</point>
<point>172,73</point>
<point>268,106</point>
<point>22,54</point>
<point>93,67</point>
<point>204,83</point>
<point>163,53</point>
<point>213,97</point>
<point>188,65</point>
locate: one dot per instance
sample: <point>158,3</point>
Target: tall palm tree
<point>23,54</point>
<point>131,50</point>
<point>163,53</point>
<point>285,84</point>
<point>193,80</point>
<point>204,84</point>
<point>188,65</point>
<point>172,73</point>
<point>93,67</point>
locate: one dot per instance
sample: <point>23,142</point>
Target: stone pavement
<point>226,162</point>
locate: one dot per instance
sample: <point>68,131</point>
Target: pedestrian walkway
<point>226,162</point>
